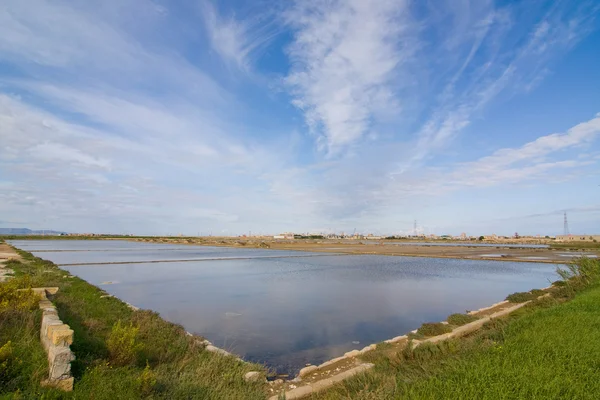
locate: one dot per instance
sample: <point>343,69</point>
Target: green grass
<point>575,245</point>
<point>520,297</point>
<point>181,366</point>
<point>549,349</point>
<point>461,319</point>
<point>433,329</point>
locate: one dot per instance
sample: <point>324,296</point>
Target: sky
<point>197,117</point>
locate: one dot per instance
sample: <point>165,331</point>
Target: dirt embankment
<point>497,252</point>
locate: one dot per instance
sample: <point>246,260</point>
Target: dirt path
<point>6,253</point>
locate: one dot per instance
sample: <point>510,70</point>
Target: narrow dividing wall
<point>56,338</point>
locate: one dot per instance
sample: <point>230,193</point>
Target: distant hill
<point>25,231</point>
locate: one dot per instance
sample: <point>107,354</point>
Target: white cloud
<point>536,161</point>
<point>500,65</point>
<point>118,120</point>
<point>345,57</point>
<point>49,151</point>
<point>237,40</point>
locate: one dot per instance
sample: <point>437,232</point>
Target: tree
<point>481,238</point>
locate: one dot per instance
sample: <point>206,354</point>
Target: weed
<point>7,363</point>
<point>520,297</point>
<point>13,298</point>
<point>123,346</point>
<point>461,319</point>
<point>537,292</point>
<point>147,381</point>
<point>433,329</point>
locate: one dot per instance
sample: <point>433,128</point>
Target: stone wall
<point>56,339</point>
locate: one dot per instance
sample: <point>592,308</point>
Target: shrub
<point>122,343</point>
<point>537,292</point>
<point>433,329</point>
<point>13,298</point>
<point>9,365</point>
<point>147,381</point>
<point>520,297</point>
<point>461,319</point>
<point>582,272</point>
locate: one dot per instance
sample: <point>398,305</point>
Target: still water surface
<point>288,311</point>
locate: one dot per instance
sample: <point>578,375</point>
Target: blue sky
<point>190,116</point>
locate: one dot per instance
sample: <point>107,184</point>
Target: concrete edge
<point>322,384</point>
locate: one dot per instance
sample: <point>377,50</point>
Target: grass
<point>433,329</point>
<point>461,319</point>
<point>548,349</point>
<point>522,297</point>
<point>168,364</point>
<point>575,245</point>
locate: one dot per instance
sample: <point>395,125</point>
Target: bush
<point>123,346</point>
<point>537,292</point>
<point>461,319</point>
<point>13,298</point>
<point>520,297</point>
<point>433,329</point>
<point>7,364</point>
<point>581,273</point>
<point>147,381</point>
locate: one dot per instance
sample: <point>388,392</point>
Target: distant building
<point>577,238</point>
<point>284,236</point>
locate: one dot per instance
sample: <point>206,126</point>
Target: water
<point>288,311</point>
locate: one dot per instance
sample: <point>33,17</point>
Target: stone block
<point>62,336</point>
<point>60,370</point>
<point>51,290</point>
<point>45,304</point>
<point>50,311</point>
<point>60,355</point>
<point>55,327</point>
<point>60,384</point>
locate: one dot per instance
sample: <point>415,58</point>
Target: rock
<point>307,370</point>
<point>252,376</point>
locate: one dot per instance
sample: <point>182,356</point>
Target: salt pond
<point>286,308</point>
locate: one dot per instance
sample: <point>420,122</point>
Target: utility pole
<point>415,228</point>
<point>566,225</point>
